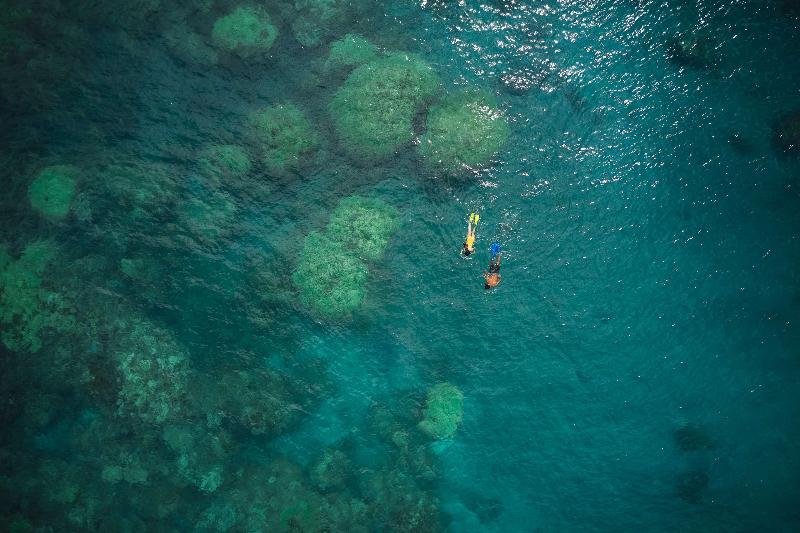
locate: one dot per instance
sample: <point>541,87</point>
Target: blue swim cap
<point>495,248</point>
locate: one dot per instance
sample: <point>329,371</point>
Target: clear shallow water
<point>636,370</point>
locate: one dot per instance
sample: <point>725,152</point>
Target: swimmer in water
<point>469,242</point>
<point>492,277</point>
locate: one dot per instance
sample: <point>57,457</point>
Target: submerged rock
<point>786,133</point>
<point>694,50</point>
<point>692,485</point>
<point>739,144</point>
<point>691,438</point>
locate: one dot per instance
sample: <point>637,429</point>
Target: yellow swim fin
<point>477,217</point>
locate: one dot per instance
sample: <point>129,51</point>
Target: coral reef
<point>398,504</point>
<point>285,135</point>
<point>373,110</point>
<point>330,471</point>
<point>246,31</point>
<point>275,497</point>
<point>208,215</point>
<point>332,269</point>
<point>363,226</point>
<point>223,163</point>
<point>443,411</point>
<point>200,455</point>
<point>330,279</point>
<point>463,131</point>
<point>316,21</point>
<point>152,370</point>
<point>257,400</point>
<point>52,191</point>
<point>133,194</point>
<point>28,307</point>
<point>350,51</point>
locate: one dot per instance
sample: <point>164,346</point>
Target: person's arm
<point>499,258</point>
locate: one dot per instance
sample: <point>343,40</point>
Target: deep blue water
<point>638,368</point>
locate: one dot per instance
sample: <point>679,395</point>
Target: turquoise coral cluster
<point>444,410</point>
<point>284,135</point>
<point>333,266</point>
<point>374,109</point>
<point>246,31</point>
<point>464,130</point>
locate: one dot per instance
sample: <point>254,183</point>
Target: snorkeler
<point>493,275</point>
<point>469,242</point>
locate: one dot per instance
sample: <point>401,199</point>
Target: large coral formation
<point>443,411</point>
<point>152,370</point>
<point>27,307</point>
<point>363,226</point>
<point>53,190</point>
<point>373,111</point>
<point>274,496</point>
<point>257,400</point>
<point>350,51</point>
<point>330,279</point>
<point>285,135</point>
<point>463,131</point>
<point>246,31</point>
<point>332,269</point>
<point>315,21</point>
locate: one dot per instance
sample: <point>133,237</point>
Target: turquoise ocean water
<point>638,368</point>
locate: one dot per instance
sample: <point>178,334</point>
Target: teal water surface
<point>166,368</point>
